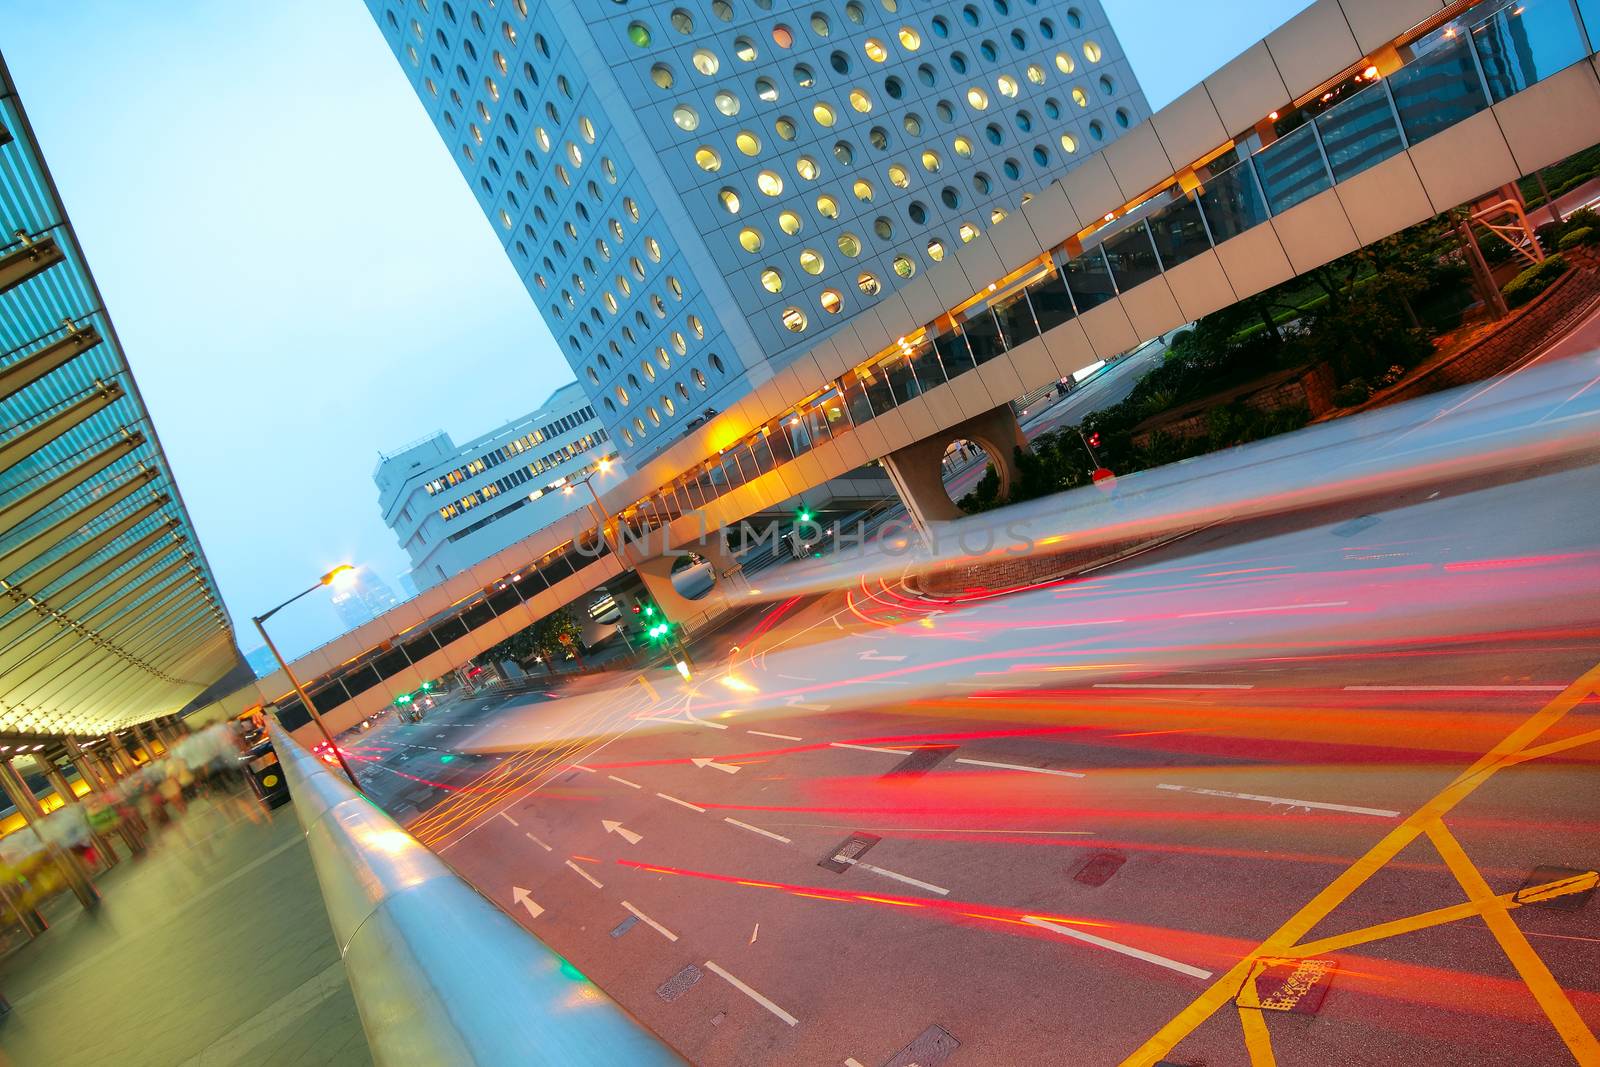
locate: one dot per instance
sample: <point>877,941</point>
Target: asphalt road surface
<point>1312,789</point>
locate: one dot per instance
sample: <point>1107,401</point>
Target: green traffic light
<point>403,698</point>
<point>649,609</point>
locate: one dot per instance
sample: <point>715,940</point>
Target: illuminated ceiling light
<point>1370,72</point>
<point>1272,116</point>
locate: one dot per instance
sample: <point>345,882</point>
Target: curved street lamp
<point>305,701</point>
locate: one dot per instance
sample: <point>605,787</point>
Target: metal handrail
<point>440,975</point>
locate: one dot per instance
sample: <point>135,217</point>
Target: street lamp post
<point>305,701</point>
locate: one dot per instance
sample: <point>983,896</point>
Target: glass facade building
<point>696,191</point>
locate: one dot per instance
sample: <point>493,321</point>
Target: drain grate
<point>1098,868</point>
<point>932,1047</point>
<point>853,847</point>
<point>1297,986</point>
<point>1568,888</point>
<point>680,983</point>
<point>921,761</point>
<point>625,925</point>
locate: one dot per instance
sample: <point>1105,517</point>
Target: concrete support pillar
<point>72,871</point>
<point>121,753</point>
<point>918,473</point>
<point>58,782</point>
<point>97,771</point>
<point>729,587</point>
<point>144,740</point>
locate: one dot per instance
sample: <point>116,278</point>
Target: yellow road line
<point>1439,916</point>
<point>1546,990</point>
<point>1256,1039</point>
<point>1221,991</point>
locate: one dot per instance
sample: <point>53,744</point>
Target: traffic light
<point>804,514</point>
<point>403,698</point>
<point>1094,439</point>
<point>427,687</point>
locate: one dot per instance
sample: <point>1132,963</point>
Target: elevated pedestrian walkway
<point>214,949</point>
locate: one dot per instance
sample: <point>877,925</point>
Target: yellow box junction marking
<point>1494,910</point>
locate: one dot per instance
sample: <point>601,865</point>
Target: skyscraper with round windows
<point>694,192</point>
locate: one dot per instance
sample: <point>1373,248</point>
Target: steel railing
<point>440,975</point>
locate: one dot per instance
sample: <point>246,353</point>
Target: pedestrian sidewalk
<point>214,949</point>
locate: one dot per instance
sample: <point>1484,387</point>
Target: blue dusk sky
<point>298,272</point>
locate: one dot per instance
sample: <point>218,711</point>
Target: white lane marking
<point>796,702</point>
<point>706,761</point>
<point>907,879</point>
<point>1168,685</point>
<point>508,818</point>
<point>657,927</point>
<point>691,721</point>
<point>795,678</point>
<point>681,803</point>
<point>755,933</point>
<point>872,654</point>
<point>780,737</point>
<point>621,831</point>
<point>753,995</point>
<point>520,896</point>
<point>1455,688</point>
<point>536,841</point>
<point>624,781</point>
<point>1114,946</point>
<point>755,829</point>
<point>1383,813</point>
<point>868,748</point>
<point>1017,767</point>
<point>851,1061</point>
<point>585,770</point>
<point>585,875</point>
<point>1273,607</point>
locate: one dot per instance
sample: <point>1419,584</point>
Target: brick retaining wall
<point>1547,316</point>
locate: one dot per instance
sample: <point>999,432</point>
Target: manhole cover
<point>932,1047</point>
<point>1098,868</point>
<point>1296,986</point>
<point>853,847</point>
<point>680,983</point>
<point>920,762</point>
<point>1557,888</point>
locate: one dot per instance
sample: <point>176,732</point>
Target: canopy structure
<point>109,614</point>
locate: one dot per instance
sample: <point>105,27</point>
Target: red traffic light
<point>636,609</point>
<point>1094,439</point>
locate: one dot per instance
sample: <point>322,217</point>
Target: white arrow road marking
<point>520,896</point>
<point>1382,813</point>
<point>1126,950</point>
<point>657,927</point>
<point>706,761</point>
<point>873,655</point>
<point>796,702</point>
<point>1017,767</point>
<point>753,995</point>
<point>621,831</point>
<point>585,875</point>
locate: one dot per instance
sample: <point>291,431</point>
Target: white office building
<point>451,505</point>
<point>698,192</point>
